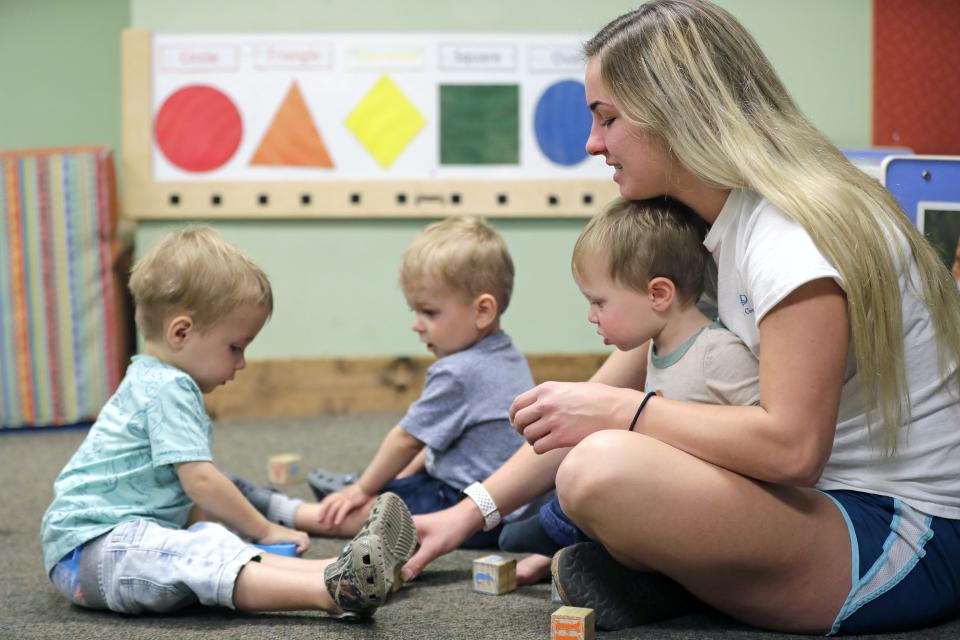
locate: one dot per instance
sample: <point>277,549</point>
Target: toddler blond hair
<point>466,254</point>
<point>195,271</point>
<point>645,239</point>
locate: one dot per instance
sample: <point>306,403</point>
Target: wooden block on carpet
<point>285,468</point>
<point>571,623</point>
<point>494,575</point>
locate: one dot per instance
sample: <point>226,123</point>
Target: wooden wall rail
<point>313,386</point>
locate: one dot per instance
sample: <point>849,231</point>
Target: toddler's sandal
<point>323,482</point>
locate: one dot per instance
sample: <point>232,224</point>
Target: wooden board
<point>304,387</point>
<point>310,190</point>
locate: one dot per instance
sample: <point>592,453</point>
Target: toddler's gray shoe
<point>586,575</point>
<point>323,482</point>
<point>357,580</point>
<point>390,520</point>
<point>257,495</point>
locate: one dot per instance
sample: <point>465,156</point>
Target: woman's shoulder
<point>765,223</point>
<point>744,214</point>
<point>759,210</point>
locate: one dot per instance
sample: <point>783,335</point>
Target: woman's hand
<point>440,533</point>
<point>554,415</point>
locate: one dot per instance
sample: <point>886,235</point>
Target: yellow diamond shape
<point>385,121</point>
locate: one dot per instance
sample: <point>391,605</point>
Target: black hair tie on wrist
<point>643,403</point>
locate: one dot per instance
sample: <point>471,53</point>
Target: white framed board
<point>357,125</point>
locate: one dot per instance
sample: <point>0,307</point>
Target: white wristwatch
<point>484,502</point>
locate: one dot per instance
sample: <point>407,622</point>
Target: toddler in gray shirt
<point>457,277</point>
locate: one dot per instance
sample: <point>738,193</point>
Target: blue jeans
<point>423,493</point>
<point>545,532</point>
<point>558,526</point>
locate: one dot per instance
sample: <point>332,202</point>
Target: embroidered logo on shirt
<point>744,302</point>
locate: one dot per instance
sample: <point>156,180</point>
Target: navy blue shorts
<point>423,493</point>
<point>905,565</point>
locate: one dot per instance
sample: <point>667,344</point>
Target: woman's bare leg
<point>775,557</point>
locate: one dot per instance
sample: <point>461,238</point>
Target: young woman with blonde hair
<point>834,506</point>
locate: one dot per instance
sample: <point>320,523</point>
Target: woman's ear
<point>662,293</point>
<point>178,331</point>
<point>485,309</point>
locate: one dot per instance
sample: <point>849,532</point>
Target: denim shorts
<point>423,493</point>
<point>143,566</point>
<point>905,565</point>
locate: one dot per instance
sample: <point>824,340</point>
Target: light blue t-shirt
<point>461,415</point>
<point>124,469</point>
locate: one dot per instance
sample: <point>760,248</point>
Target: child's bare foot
<point>533,569</point>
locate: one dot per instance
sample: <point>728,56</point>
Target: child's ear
<point>485,307</point>
<point>178,330</point>
<point>662,293</point>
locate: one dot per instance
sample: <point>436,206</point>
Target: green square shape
<point>479,124</point>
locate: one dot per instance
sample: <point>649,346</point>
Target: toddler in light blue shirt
<point>132,524</point>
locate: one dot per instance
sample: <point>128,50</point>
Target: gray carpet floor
<point>438,605</point>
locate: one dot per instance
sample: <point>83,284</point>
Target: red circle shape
<point>198,128</point>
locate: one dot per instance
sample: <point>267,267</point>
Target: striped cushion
<point>62,332</point>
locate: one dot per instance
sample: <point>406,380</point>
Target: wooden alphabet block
<point>494,575</point>
<point>285,468</point>
<point>571,623</point>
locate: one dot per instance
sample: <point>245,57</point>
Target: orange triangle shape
<point>292,139</point>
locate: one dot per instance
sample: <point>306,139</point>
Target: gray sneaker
<point>390,520</point>
<point>586,575</point>
<point>368,568</point>
<point>257,495</point>
<point>323,482</point>
<point>357,579</point>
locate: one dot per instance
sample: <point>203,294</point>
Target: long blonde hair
<point>689,72</point>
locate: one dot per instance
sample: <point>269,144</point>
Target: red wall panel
<point>916,75</point>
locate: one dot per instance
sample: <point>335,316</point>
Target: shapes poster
<point>347,106</point>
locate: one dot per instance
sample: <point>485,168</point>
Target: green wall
<point>335,280</point>
<point>60,72</point>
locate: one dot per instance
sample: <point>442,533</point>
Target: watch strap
<point>484,501</point>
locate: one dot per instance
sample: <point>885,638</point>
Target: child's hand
<point>278,533</point>
<point>336,506</point>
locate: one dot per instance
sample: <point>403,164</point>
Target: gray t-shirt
<point>461,415</point>
<point>713,366</point>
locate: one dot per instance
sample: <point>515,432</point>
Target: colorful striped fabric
<point>61,315</point>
